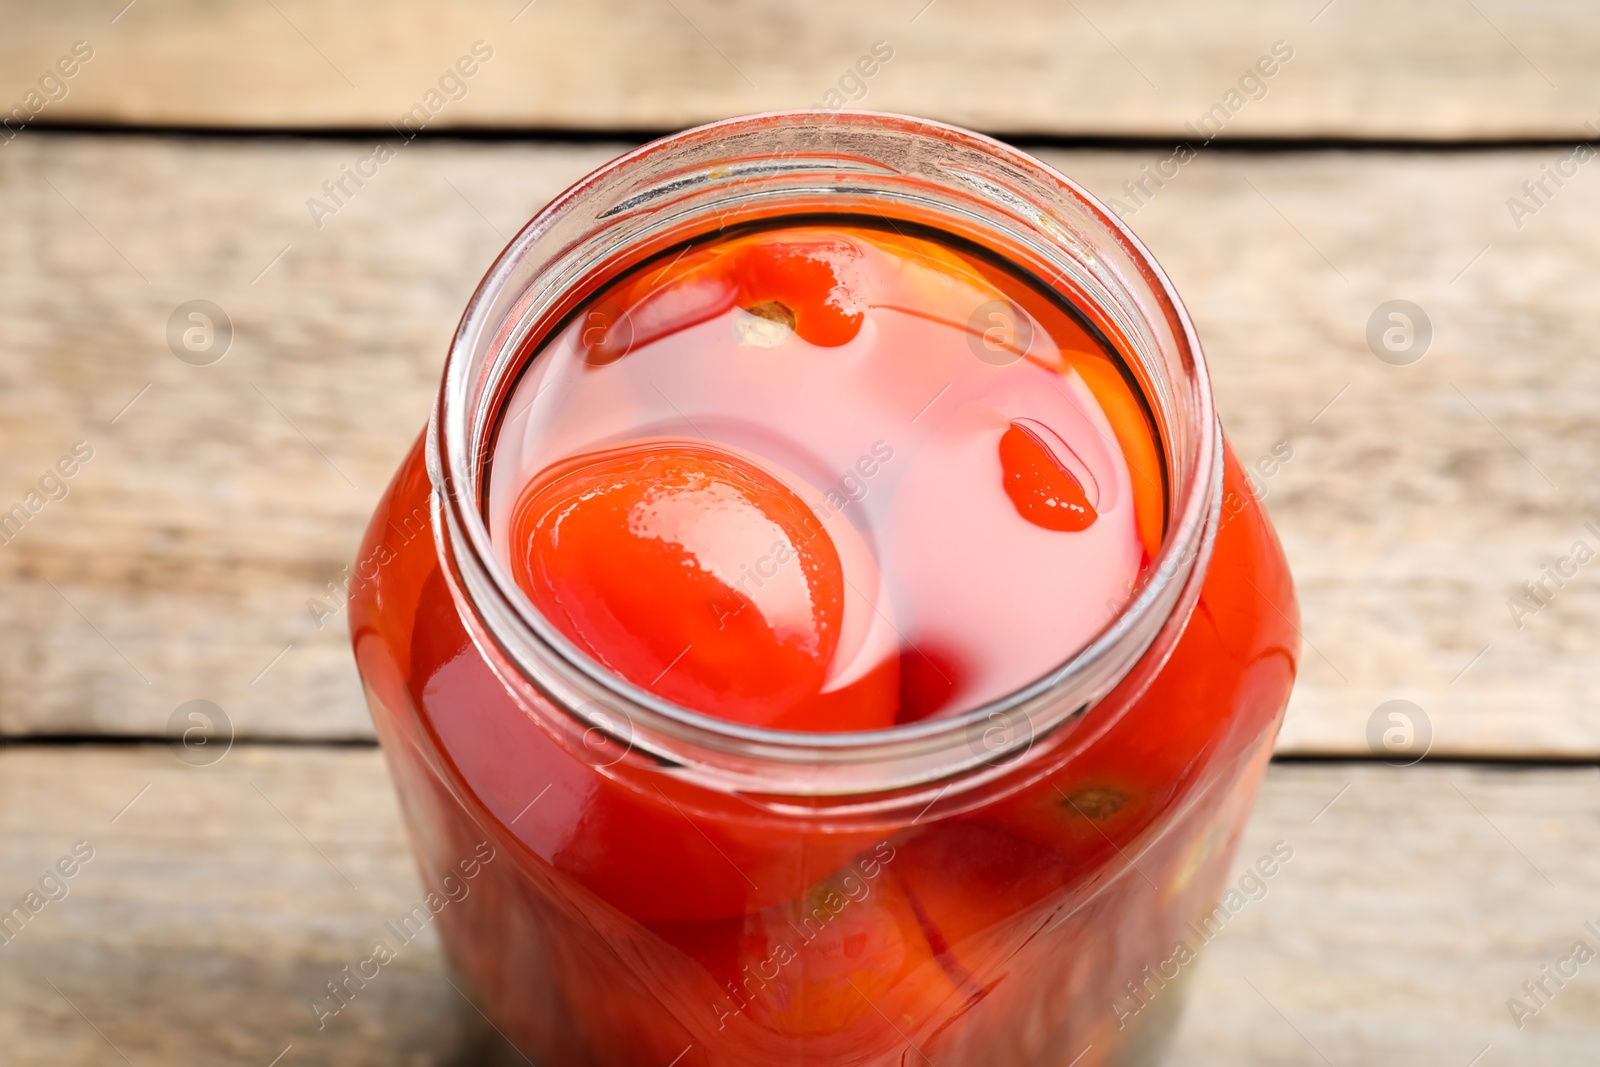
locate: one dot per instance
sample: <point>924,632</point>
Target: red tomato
<point>802,275</point>
<point>968,883</point>
<point>803,280</point>
<point>1040,482</point>
<point>847,959</point>
<point>694,574</point>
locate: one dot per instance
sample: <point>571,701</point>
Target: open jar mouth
<point>809,163</point>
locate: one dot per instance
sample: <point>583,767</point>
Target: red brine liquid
<point>827,476</point>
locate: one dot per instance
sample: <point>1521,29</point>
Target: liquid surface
<point>826,478</point>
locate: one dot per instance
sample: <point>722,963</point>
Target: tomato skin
<point>967,880</point>
<point>692,573</point>
<point>1040,486</point>
<point>847,954</point>
<point>803,280</point>
<point>804,275</point>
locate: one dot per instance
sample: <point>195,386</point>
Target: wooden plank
<point>222,500</point>
<point>205,921</point>
<point>1418,901</point>
<point>1415,903</point>
<point>1360,68</point>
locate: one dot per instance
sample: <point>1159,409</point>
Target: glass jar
<point>619,881</point>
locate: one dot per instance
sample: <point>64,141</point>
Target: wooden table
<point>1377,165</point>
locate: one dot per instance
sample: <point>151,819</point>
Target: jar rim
<point>637,198</point>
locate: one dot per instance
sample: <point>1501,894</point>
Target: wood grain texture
<point>1362,68</point>
<point>1420,498</point>
<point>1415,903</point>
<point>181,563</point>
<point>213,909</point>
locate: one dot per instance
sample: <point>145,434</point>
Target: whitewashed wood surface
<point>1415,903</point>
<point>181,563</point>
<point>1361,68</point>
